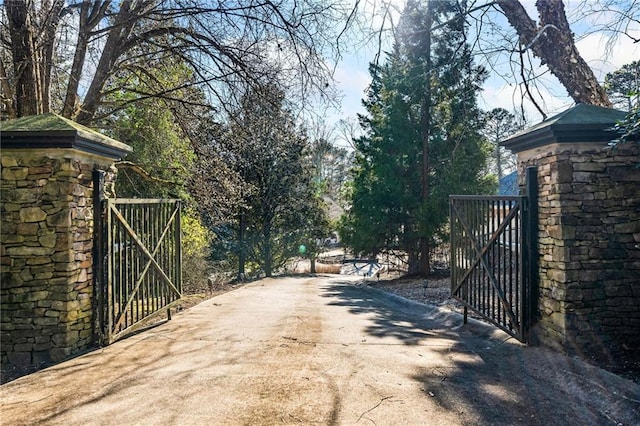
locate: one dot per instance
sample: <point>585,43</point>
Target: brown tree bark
<point>425,130</point>
<point>126,19</point>
<point>23,53</point>
<point>32,33</point>
<point>90,16</point>
<point>553,43</point>
<point>6,94</point>
<point>48,22</point>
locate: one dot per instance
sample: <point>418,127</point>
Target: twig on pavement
<point>374,407</point>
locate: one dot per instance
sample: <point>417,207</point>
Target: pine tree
<point>498,125</point>
<point>623,86</point>
<point>422,138</point>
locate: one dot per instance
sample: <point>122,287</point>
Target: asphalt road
<point>321,351</point>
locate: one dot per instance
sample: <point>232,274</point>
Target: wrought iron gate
<point>140,263</point>
<point>493,257</point>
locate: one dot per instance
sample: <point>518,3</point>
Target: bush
<point>196,239</point>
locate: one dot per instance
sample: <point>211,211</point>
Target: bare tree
<point>32,54</point>
<point>58,55</point>
<point>223,42</point>
<point>552,41</point>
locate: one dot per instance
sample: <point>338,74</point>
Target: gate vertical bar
<point>108,324</point>
<point>178,246</point>
<point>452,242</point>
<point>531,225</point>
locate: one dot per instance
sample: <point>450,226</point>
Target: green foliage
<point>162,157</point>
<point>629,128</point>
<point>389,209</point>
<point>196,238</point>
<point>623,86</point>
<point>166,163</point>
<point>499,124</point>
<point>196,241</point>
<point>330,164</point>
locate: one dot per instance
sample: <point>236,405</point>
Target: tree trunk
<point>425,130</point>
<point>33,36</point>
<point>268,261</point>
<point>242,256</point>
<point>6,93</point>
<point>552,42</point>
<point>89,18</point>
<point>24,58</point>
<point>113,49</point>
<point>49,20</point>
<point>312,269</point>
<point>413,262</point>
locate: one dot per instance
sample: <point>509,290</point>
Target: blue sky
<point>352,74</point>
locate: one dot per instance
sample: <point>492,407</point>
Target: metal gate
<point>140,269</point>
<point>493,257</point>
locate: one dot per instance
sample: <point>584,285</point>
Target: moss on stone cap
<point>54,131</point>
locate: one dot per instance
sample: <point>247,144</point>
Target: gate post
<point>98,253</point>
<point>530,300</point>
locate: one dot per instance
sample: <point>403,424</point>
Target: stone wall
<point>589,241</point>
<point>46,253</point>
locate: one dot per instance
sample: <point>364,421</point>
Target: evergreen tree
<point>331,164</point>
<point>280,209</point>
<point>623,86</point>
<point>422,138</point>
<point>385,193</point>
<point>499,124</point>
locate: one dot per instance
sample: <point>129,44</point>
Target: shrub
<point>196,239</point>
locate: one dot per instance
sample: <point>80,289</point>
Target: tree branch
<point>138,169</point>
<point>526,86</point>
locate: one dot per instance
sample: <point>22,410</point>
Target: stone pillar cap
<point>54,131</point>
<point>580,123</point>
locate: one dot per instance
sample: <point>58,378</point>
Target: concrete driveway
<point>319,350</point>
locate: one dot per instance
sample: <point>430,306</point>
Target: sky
<point>353,78</point>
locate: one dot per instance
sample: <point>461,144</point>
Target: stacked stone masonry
<point>589,246</point>
<point>46,255</point>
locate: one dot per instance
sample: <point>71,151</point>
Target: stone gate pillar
<point>588,232</point>
<point>47,236</point>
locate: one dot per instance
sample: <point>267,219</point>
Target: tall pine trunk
<point>425,130</point>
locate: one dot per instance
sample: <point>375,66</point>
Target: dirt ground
<point>434,290</point>
<point>194,297</point>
